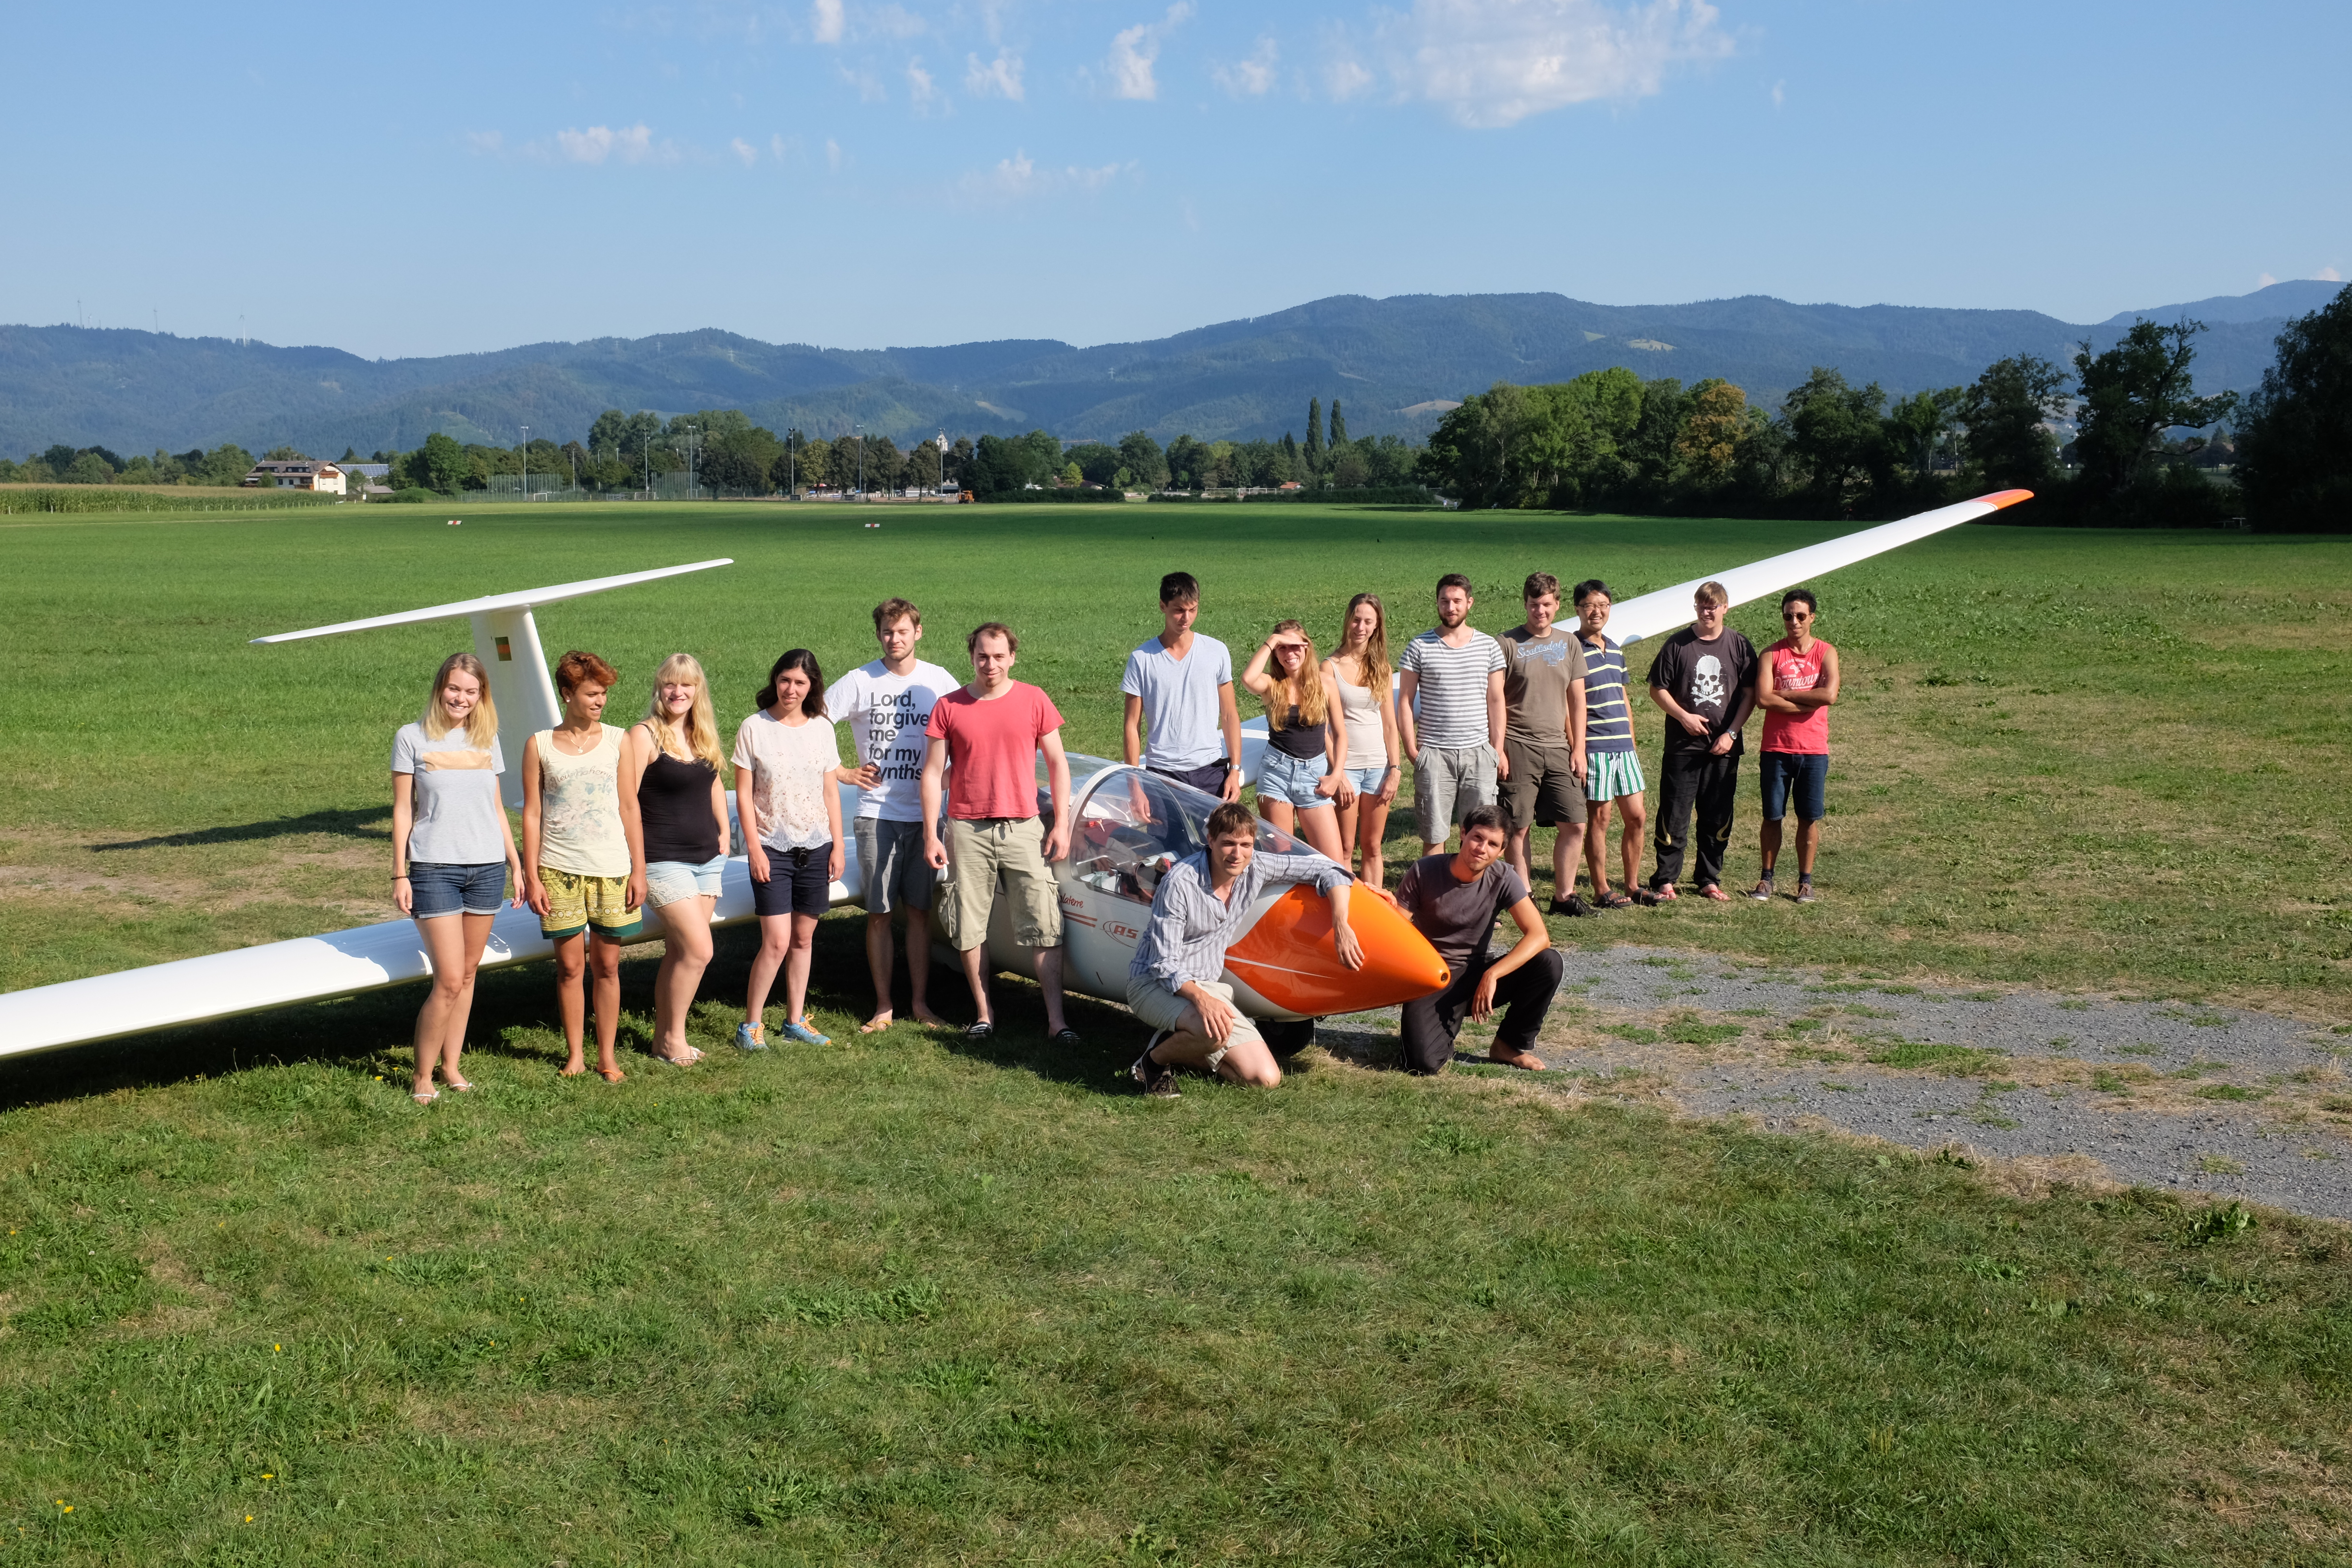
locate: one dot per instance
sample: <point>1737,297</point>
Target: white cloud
<point>832,154</point>
<point>825,20</point>
<point>1252,78</point>
<point>919,87</point>
<point>1346,77</point>
<point>484,144</point>
<point>2264,281</point>
<point>1780,92</point>
<point>1018,178</point>
<point>2328,275</point>
<point>630,144</point>
<point>869,87</point>
<point>1491,63</point>
<point>1000,76</point>
<point>1134,50</point>
<point>893,22</point>
<point>780,148</point>
<point>745,151</point>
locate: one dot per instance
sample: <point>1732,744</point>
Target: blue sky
<point>434,178</point>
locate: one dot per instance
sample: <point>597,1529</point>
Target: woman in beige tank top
<point>584,853</point>
<point>1361,669</point>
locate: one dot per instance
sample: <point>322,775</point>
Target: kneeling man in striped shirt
<point>1176,984</point>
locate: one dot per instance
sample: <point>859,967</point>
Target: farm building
<point>305,474</point>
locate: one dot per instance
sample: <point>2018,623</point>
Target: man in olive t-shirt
<point>1542,766</point>
<point>1453,900</point>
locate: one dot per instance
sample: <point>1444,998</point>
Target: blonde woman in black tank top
<point>683,807</point>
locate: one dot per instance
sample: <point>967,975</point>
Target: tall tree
<point>1711,435</point>
<point>2134,392</point>
<point>1315,435</point>
<point>1143,460</point>
<point>2003,413</point>
<point>1338,427</point>
<point>1836,432</point>
<point>1918,421</point>
<point>2294,450</point>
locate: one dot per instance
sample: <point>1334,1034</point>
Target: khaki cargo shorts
<point>979,854</point>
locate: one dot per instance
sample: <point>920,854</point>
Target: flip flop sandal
<point>980,1031</point>
<point>611,1074</point>
<point>427,1097</point>
<point>1614,900</point>
<point>1066,1037</point>
<point>462,1085</point>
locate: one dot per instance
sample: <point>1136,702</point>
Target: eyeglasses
<point>1792,615</point>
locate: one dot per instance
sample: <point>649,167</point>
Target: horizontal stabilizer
<point>517,601</point>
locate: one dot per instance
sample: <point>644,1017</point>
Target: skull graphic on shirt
<point>1706,683</point>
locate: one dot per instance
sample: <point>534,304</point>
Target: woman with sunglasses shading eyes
<point>1301,781</point>
<point>1796,685</point>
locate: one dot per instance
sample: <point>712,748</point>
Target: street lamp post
<point>526,462</point>
<point>860,431</point>
<point>690,480</point>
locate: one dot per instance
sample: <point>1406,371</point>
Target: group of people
<point>1534,728</point>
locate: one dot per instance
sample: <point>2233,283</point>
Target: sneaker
<point>1762,891</point>
<point>1158,1080</point>
<point>1572,905</point>
<point>798,1029</point>
<point>1804,892</point>
<point>751,1036</point>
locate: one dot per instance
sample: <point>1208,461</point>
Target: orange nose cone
<point>1287,957</point>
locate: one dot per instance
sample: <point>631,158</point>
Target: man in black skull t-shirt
<point>1704,680</point>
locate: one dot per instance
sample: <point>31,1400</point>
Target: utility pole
<point>526,462</point>
<point>941,453</point>
<point>860,431</point>
<point>689,462</point>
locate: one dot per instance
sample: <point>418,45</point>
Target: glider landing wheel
<point>1288,1036</point>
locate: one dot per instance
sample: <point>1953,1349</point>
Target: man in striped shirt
<point>1613,771</point>
<point>1450,713</point>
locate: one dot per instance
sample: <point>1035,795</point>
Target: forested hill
<point>1385,361</point>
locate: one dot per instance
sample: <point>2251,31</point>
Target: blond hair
<point>482,723</point>
<point>1372,664</point>
<point>1301,696</point>
<point>701,724</point>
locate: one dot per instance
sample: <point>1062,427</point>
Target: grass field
<point>902,1302</point>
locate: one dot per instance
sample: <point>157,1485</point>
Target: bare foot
<point>923,1014</point>
<point>573,1069</point>
<point>1503,1056</point>
<point>877,1023</point>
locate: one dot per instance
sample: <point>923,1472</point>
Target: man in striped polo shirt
<point>1450,714</point>
<point>1613,769</point>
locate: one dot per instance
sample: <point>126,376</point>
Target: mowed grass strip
<point>896,1301</point>
<point>2074,759</point>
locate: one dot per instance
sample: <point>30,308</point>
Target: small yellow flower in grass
<point>268,1475</point>
<point>276,1348</point>
<point>249,1519</point>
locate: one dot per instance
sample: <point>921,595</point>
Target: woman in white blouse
<point>785,762</point>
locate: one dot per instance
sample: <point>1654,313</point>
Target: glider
<point>1127,828</point>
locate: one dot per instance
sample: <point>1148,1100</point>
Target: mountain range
<point>1394,366</point>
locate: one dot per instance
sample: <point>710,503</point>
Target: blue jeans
<point>1281,776</point>
<point>437,890</point>
<point>1804,774</point>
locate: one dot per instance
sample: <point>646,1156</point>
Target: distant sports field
<point>904,1301</point>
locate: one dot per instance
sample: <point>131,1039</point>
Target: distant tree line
<point>1609,438</point>
<point>63,464</point>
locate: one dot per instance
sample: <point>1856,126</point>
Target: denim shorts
<point>437,890</point>
<point>1368,781</point>
<point>1804,774</point>
<point>1281,776</point>
<point>796,883</point>
<point>667,881</point>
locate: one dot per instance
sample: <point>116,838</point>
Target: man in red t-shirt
<point>992,731</point>
<point>1796,683</point>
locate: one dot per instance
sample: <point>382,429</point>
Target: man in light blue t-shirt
<point>1179,689</point>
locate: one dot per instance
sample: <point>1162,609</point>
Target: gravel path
<point>2159,1094</point>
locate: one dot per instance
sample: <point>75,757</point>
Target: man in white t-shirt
<point>883,707</point>
<point>1180,690</point>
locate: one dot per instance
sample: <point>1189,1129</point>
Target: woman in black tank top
<point>1300,783</point>
<point>683,809</point>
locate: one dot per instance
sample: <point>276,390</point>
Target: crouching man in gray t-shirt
<point>1452,900</point>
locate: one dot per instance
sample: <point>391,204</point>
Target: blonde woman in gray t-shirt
<point>452,854</point>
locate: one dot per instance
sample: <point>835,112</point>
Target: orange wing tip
<point>2006,498</point>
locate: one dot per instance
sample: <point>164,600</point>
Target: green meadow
<point>903,1299</point>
